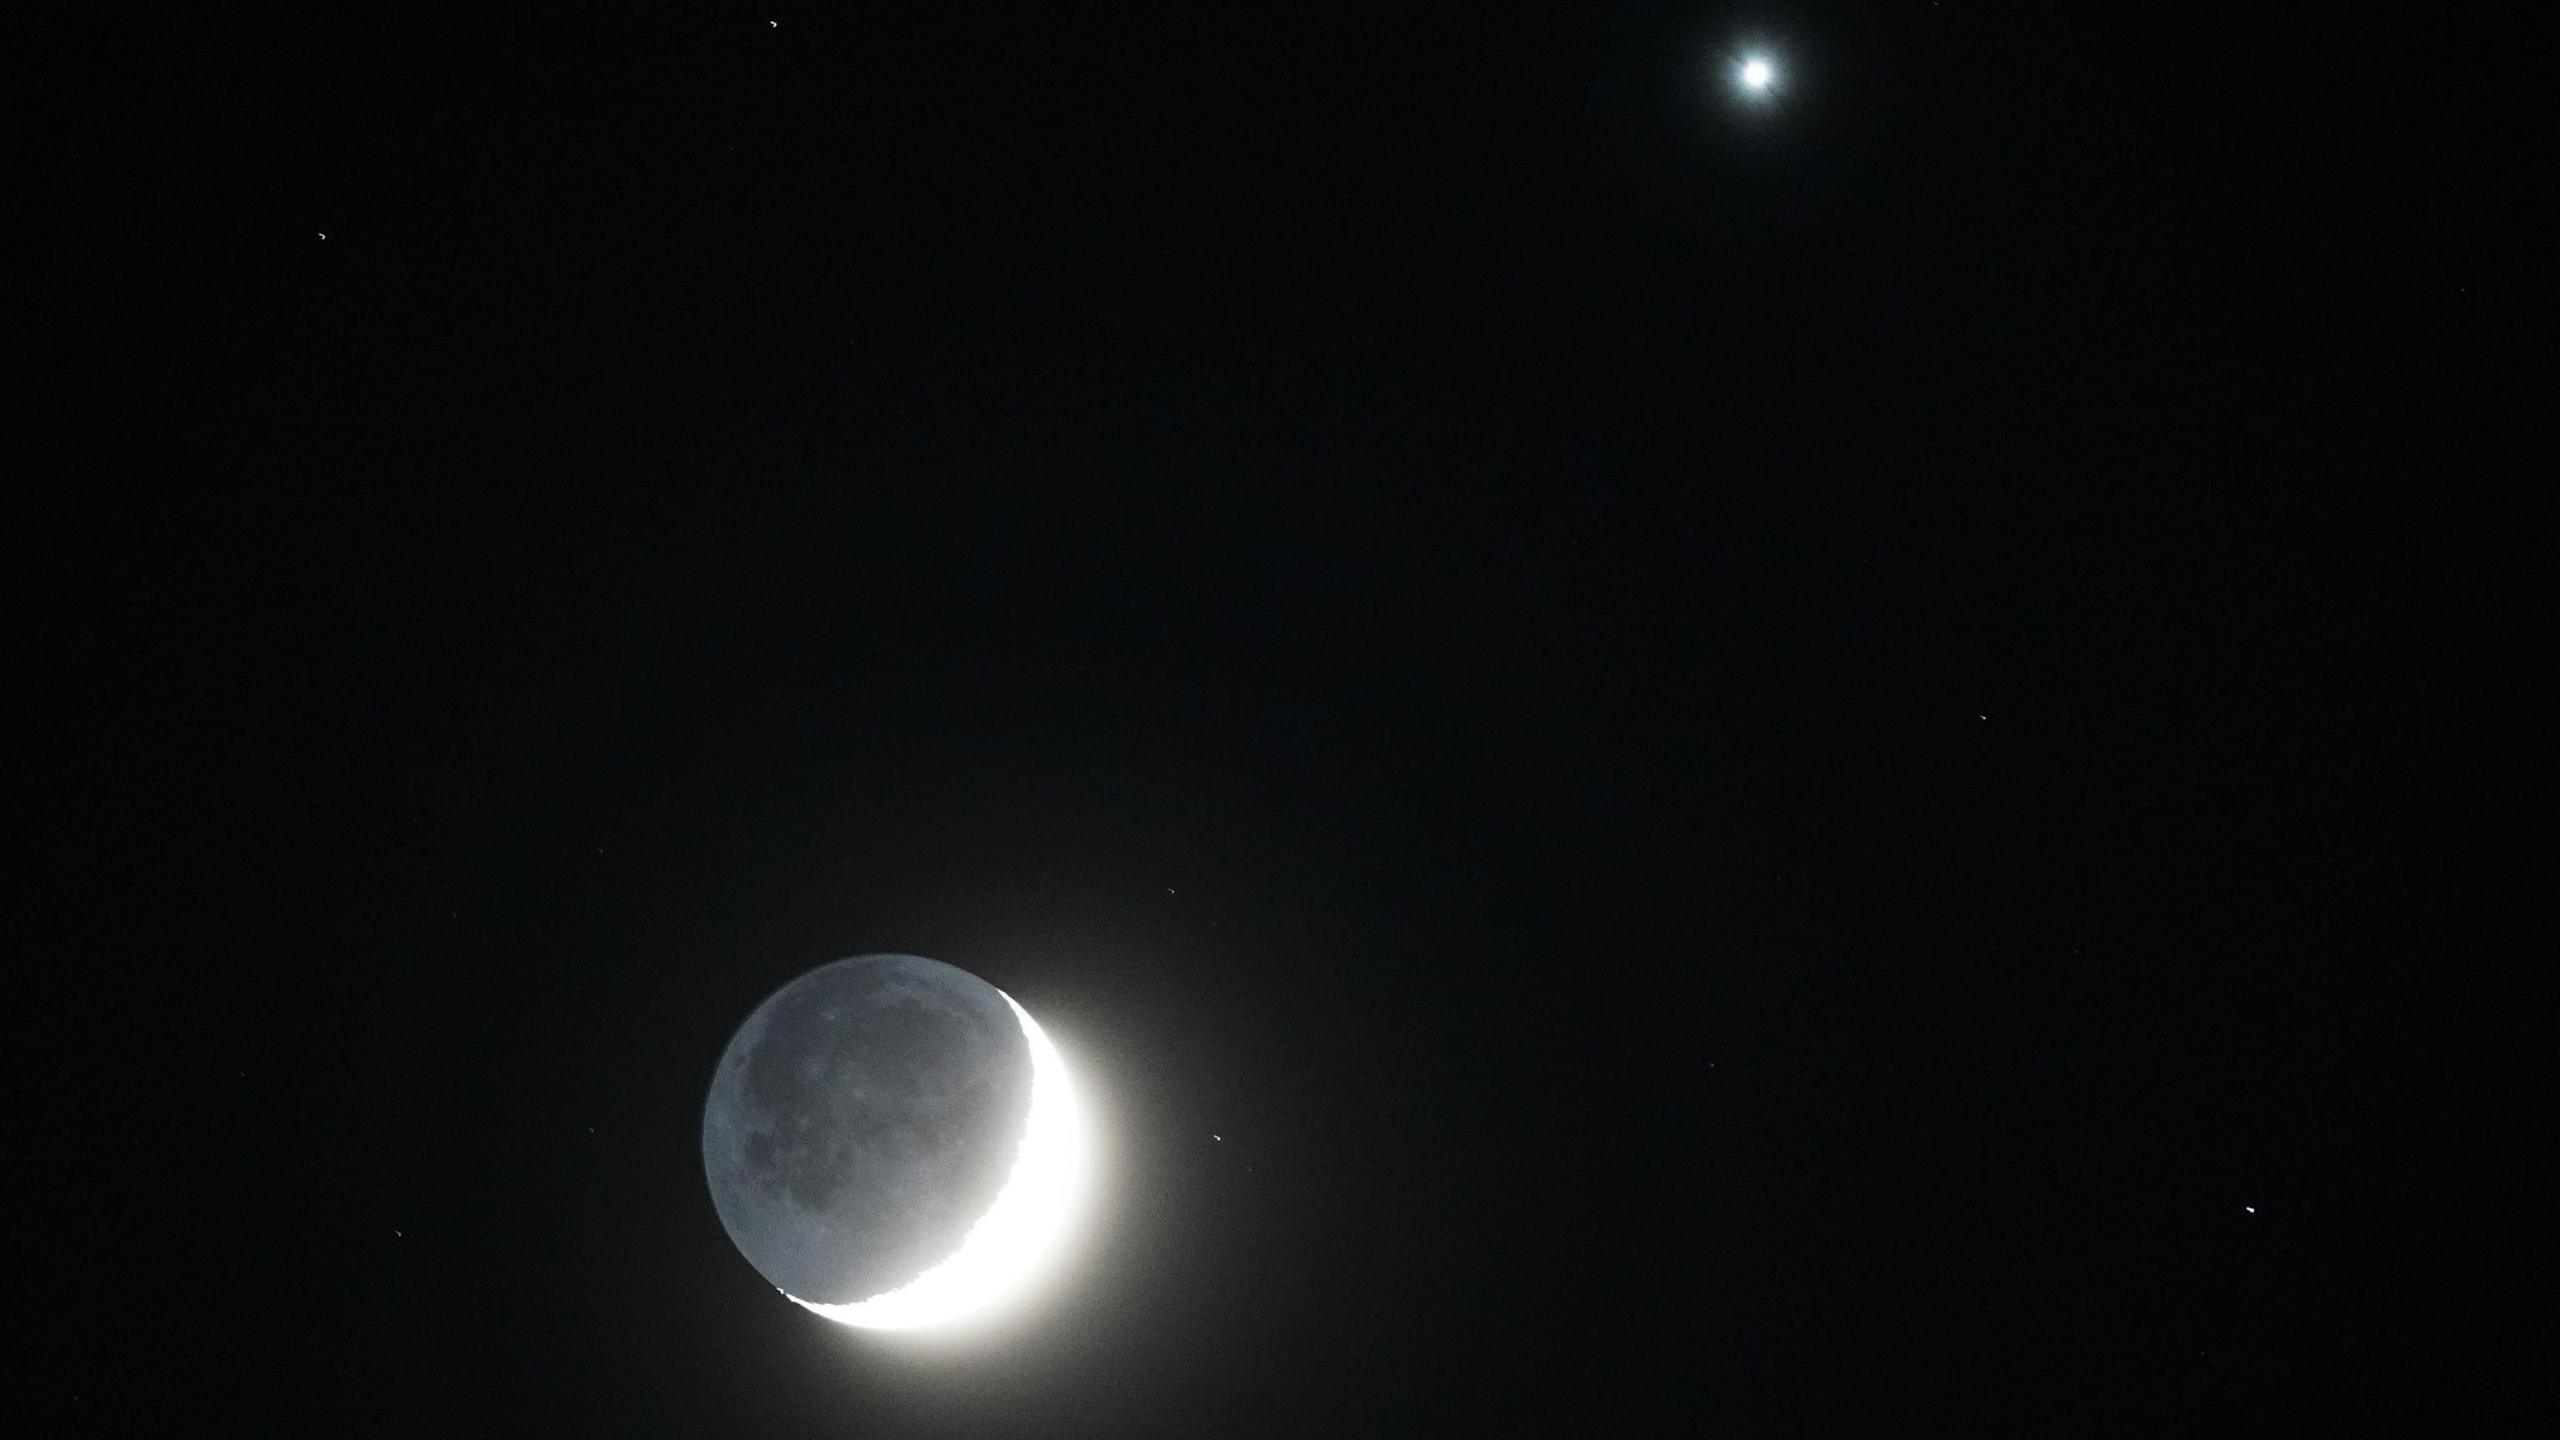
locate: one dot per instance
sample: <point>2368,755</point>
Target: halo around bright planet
<point>894,1144</point>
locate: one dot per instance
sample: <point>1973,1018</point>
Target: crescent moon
<point>1019,1234</point>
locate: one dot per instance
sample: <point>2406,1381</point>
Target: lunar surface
<point>890,1141</point>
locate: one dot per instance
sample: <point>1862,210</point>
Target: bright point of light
<point>1757,73</point>
<point>1019,1232</point>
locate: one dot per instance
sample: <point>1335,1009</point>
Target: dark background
<point>1761,764</point>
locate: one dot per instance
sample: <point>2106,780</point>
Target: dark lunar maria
<point>861,1120</point>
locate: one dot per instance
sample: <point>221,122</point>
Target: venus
<point>893,1143</point>
<point>1757,75</point>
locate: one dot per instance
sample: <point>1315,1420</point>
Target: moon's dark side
<point>862,1119</point>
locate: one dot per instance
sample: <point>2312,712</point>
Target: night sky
<point>1858,763</point>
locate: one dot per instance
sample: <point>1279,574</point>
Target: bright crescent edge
<point>1020,1231</point>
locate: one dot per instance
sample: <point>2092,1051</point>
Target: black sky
<point>1764,766</point>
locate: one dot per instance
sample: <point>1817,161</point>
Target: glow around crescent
<point>1019,1232</point>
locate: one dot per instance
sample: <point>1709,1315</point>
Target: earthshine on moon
<point>893,1143</point>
